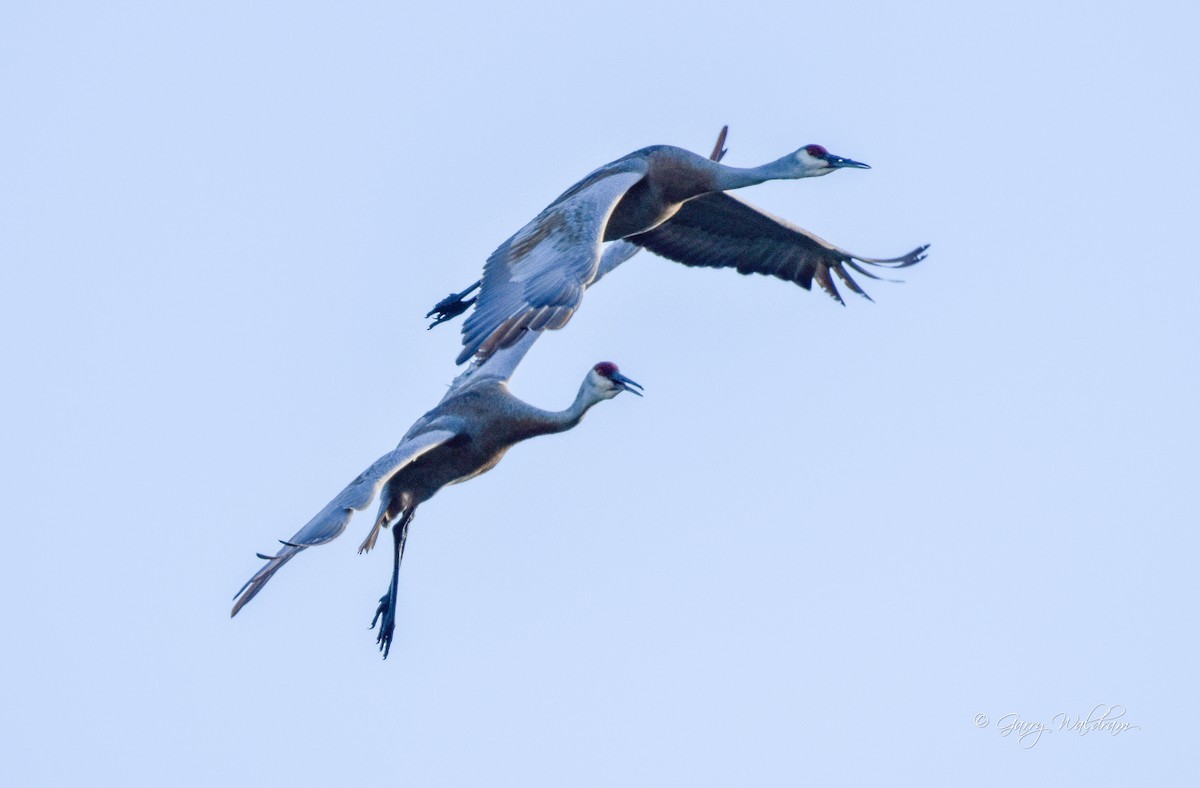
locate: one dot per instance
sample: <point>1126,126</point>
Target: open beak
<point>627,384</point>
<point>838,161</point>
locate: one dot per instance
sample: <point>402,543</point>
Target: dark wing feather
<point>720,231</point>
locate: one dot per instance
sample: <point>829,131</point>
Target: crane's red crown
<point>816,151</point>
<point>606,368</point>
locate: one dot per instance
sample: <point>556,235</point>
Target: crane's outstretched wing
<point>331,521</point>
<point>536,279</point>
<point>720,231</point>
<point>501,364</point>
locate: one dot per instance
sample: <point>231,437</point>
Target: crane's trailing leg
<point>452,305</point>
<point>387,602</point>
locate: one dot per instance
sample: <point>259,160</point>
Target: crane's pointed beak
<point>837,162</point>
<point>627,384</point>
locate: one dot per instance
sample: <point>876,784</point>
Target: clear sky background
<point>824,542</point>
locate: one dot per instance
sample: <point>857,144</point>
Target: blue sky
<point>824,542</point>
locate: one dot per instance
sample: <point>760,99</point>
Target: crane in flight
<point>665,199</point>
<point>476,422</point>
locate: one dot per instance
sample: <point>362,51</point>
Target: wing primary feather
<point>850,283</point>
<point>826,282</point>
<point>903,261</point>
<point>870,274</point>
<point>718,230</point>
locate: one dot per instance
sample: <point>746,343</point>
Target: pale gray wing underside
<point>536,279</point>
<point>329,523</point>
<point>615,253</point>
<point>502,363</point>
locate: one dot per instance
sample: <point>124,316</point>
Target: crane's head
<point>608,381</point>
<point>814,160</point>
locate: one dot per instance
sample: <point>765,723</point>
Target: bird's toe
<point>385,616</point>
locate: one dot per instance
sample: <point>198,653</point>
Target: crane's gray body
<point>672,176</point>
<point>487,420</point>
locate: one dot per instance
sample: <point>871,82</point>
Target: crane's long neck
<point>587,396</point>
<point>788,167</point>
<point>550,421</point>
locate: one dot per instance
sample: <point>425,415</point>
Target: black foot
<point>451,306</point>
<point>387,628</point>
<point>385,614</point>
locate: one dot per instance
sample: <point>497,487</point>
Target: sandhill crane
<point>665,199</point>
<point>469,431</point>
